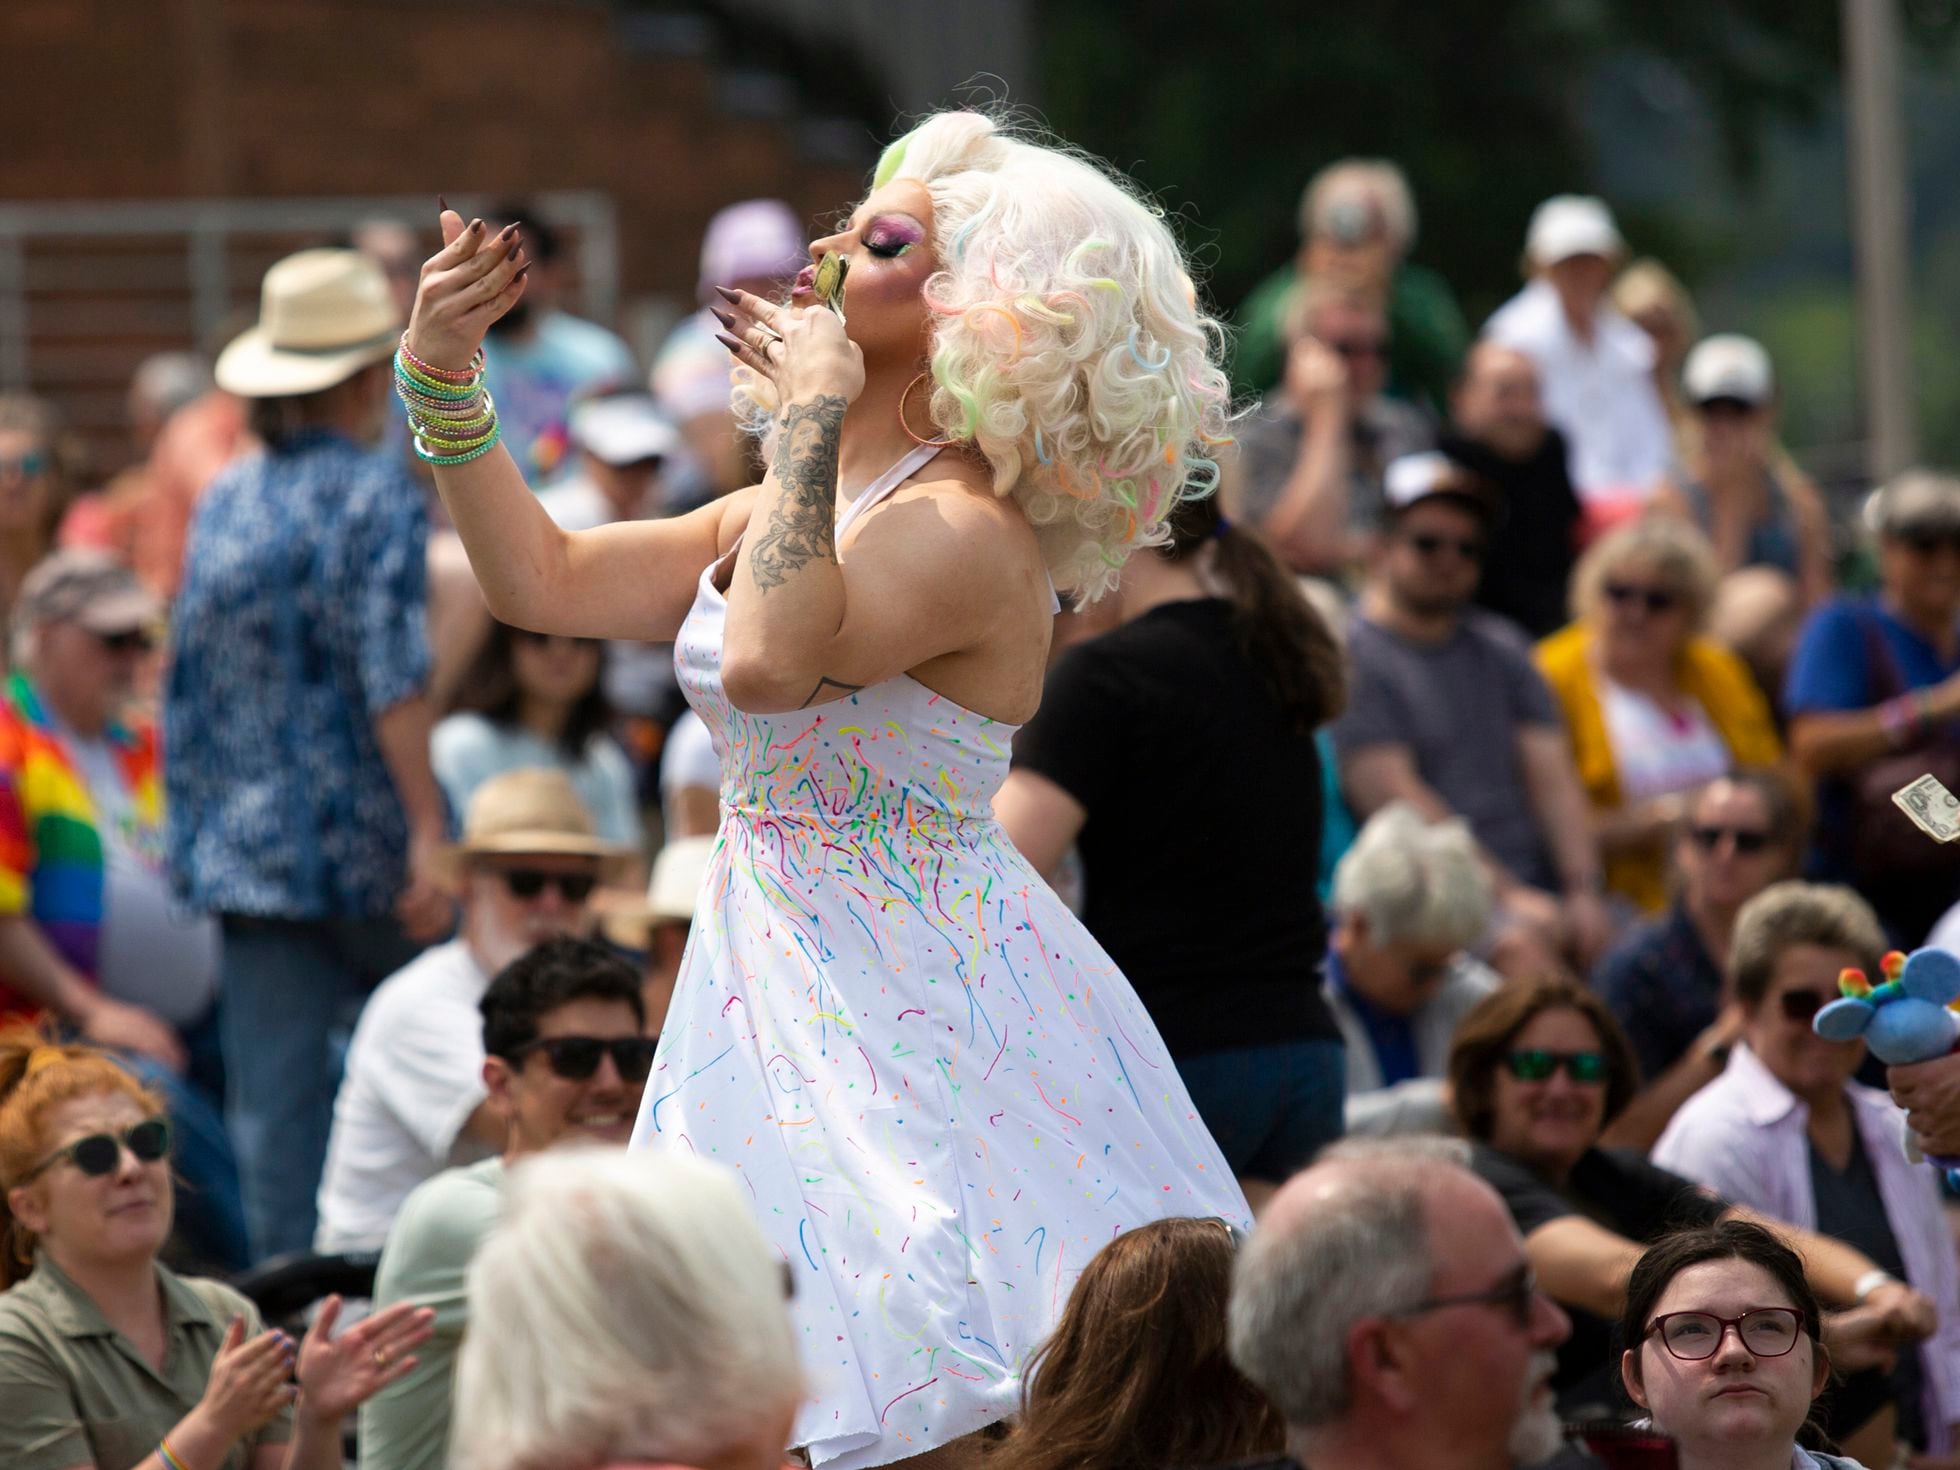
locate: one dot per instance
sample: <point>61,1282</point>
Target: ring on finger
<point>381,1358</point>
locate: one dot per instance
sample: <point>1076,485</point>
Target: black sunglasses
<point>530,882</point>
<point>98,1154</point>
<point>1803,1005</point>
<point>575,1058</point>
<point>1428,543</point>
<point>133,641</point>
<point>530,636</point>
<point>1925,543</point>
<point>1538,1065</point>
<point>1653,599</point>
<point>1748,841</point>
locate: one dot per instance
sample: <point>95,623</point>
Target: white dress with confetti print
<point>939,1091</point>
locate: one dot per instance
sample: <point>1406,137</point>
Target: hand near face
<point>806,353</point>
<point>1316,381</point>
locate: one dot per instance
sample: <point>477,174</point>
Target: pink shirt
<point>1744,1136</point>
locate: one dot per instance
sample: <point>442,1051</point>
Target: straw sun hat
<point>528,813</point>
<point>323,316</point>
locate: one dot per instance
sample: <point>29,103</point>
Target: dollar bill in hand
<point>1933,809</point>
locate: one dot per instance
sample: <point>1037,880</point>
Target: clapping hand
<point>339,1374</point>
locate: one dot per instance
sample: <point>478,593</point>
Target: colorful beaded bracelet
<point>446,375</point>
<point>428,456</point>
<point>453,443</point>
<point>455,415</point>
<point>405,376</point>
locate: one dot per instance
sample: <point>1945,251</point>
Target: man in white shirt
<point>1595,367</point>
<point>412,1100</point>
<point>567,1056</point>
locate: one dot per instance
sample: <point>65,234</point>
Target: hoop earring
<point>928,443</point>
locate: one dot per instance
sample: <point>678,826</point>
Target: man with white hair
<point>1595,368</point>
<point>1386,1307</point>
<point>1357,226</point>
<point>1409,897</point>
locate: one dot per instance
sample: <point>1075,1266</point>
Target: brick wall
<point>262,99</point>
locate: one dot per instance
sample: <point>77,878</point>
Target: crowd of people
<point>1483,789</point>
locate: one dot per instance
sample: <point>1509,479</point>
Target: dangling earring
<point>931,443</point>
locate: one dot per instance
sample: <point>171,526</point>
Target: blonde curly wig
<point>1069,347</point>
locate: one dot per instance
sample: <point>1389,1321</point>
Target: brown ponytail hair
<point>37,1075</point>
<point>1278,629</point>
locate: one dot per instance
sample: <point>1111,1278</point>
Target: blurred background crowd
<point>1627,616</point>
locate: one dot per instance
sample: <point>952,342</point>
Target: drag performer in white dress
<point>940,1093</point>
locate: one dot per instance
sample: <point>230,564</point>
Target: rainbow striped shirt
<point>51,853</point>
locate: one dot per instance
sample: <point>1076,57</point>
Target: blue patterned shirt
<point>300,621</point>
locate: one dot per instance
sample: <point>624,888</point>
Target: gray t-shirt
<point>1457,706</point>
<point>1385,429</point>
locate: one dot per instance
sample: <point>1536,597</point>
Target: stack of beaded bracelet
<point>454,418</point>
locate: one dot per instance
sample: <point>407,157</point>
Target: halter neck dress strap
<point>909,464</point>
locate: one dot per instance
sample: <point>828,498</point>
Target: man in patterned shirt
<point>302,809</point>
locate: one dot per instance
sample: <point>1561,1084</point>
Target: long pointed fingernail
<point>723,317</point>
<point>476,227</point>
<point>442,204</point>
<point>523,272</point>
<point>727,341</point>
<point>728,295</point>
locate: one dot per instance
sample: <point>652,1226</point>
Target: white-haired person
<point>1410,899</point>
<point>885,1018</point>
<point>1357,226</point>
<point>626,1312</point>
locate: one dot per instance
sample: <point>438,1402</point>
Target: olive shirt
<point>74,1391</point>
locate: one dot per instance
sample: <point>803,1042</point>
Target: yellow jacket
<point>1707,673</point>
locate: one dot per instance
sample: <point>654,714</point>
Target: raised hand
<point>804,353</point>
<point>249,1382</point>
<point>474,279</point>
<point>339,1374</point>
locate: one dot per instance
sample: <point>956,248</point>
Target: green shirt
<point>74,1391</point>
<point>1427,336</point>
<point>426,1262</point>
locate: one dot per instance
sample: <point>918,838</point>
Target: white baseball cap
<point>1414,477</point>
<point>623,429</point>
<point>1572,224</point>
<point>1728,366</point>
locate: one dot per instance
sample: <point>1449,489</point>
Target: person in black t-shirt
<point>1498,432</point>
<point>1177,753</point>
<point>1537,1071</point>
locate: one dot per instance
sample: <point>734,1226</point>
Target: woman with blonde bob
<point>1654,710</point>
<point>942,1094</point>
<point>626,1311</point>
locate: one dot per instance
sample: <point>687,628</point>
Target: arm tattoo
<point>803,526</point>
<point>827,682</point>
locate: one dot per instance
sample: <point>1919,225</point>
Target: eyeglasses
<point>1518,1292</point>
<point>1653,599</point>
<point>1768,1332</point>
<point>576,1058</point>
<point>1748,840</point>
<point>27,465</point>
<point>1428,543</point>
<point>1803,1005</point>
<point>530,882</point>
<point>98,1154</point>
<point>527,635</point>
<point>1928,543</point>
<point>1537,1066</point>
<point>1357,347</point>
<point>133,641</point>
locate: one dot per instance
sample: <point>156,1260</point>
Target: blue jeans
<point>1270,1108</point>
<point>291,992</point>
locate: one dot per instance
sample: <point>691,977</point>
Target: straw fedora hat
<point>532,812</point>
<point>323,316</point>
